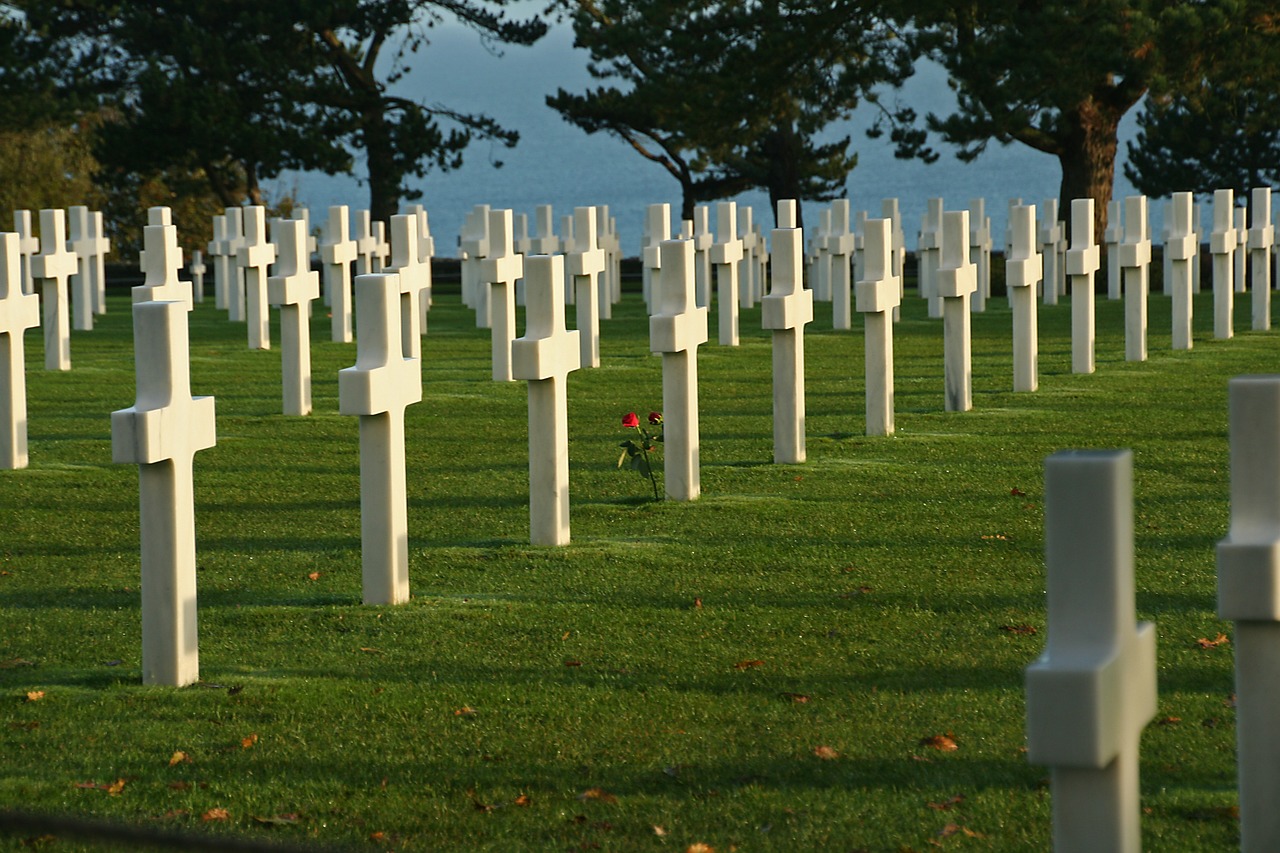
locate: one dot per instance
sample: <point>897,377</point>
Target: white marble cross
<point>822,257</point>
<point>337,252</point>
<point>1197,233</point>
<point>586,260</point>
<point>28,246</point>
<point>878,293</point>
<point>161,263</point>
<point>1222,245</point>
<point>81,244</point>
<point>748,287</point>
<point>1050,234</point>
<point>544,241</point>
<point>786,310</point>
<point>365,243</point>
<point>1083,260</point>
<point>1166,257</point>
<point>703,239</point>
<point>956,281</point>
<point>197,269</point>
<point>499,273</point>
<point>236,307</point>
<point>1023,270</point>
<point>222,262</point>
<point>1181,247</point>
<point>99,246</point>
<point>292,289</point>
<point>255,256</point>
<point>929,251</point>
<point>1242,249</point>
<point>476,245</point>
<point>676,329</point>
<point>415,279</point>
<point>1112,237</point>
<point>657,230</point>
<point>381,246</point>
<point>161,434</point>
<point>889,210</point>
<point>1248,577</point>
<point>1262,235</point>
<point>1094,689</point>
<point>19,311</point>
<point>50,270</point>
<point>1135,262</point>
<point>610,286</point>
<point>726,254</point>
<point>426,253</point>
<point>980,251</point>
<point>840,247</point>
<point>545,356</point>
<point>383,382</point>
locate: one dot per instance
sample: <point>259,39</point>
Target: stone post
<point>415,279</point>
<point>840,249</point>
<point>1082,262</point>
<point>1023,269</point>
<point>293,288</point>
<point>1180,248</point>
<point>197,269</point>
<point>1222,245</point>
<point>703,238</point>
<point>980,251</point>
<point>256,255</point>
<point>337,252</point>
<point>19,311</point>
<point>236,281</point>
<point>928,253</point>
<point>1261,238</point>
<point>726,254</point>
<point>1094,689</point>
<point>364,243</point>
<point>747,267</point>
<point>82,289</point>
<point>1135,262</point>
<point>657,229</point>
<point>786,310</point>
<point>1049,236</point>
<point>221,262</point>
<point>50,270</point>
<point>499,272</point>
<point>956,281</point>
<point>878,293</point>
<point>1112,237</point>
<point>586,261</point>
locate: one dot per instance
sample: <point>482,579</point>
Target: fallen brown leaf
<point>953,828</point>
<point>697,604</point>
<point>1017,493</point>
<point>659,830</point>
<point>180,786</point>
<point>748,664</point>
<point>371,650</point>
<point>1019,630</point>
<point>179,757</point>
<point>826,753</point>
<point>173,814</point>
<point>279,820</point>
<point>465,711</point>
<point>314,576</point>
<point>942,743</point>
<point>1220,640</point>
<point>215,814</point>
<point>798,698</point>
<point>573,663</point>
<point>524,801</point>
<point>700,848</point>
<point>599,794</point>
<point>948,804</point>
<point>35,695</point>
<point>246,742</point>
<point>115,787</point>
<point>1168,721</point>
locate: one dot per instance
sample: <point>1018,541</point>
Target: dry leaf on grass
<point>1019,630</point>
<point>215,814</point>
<point>942,743</point>
<point>1220,640</point>
<point>948,804</point>
<point>797,698</point>
<point>659,830</point>
<point>465,711</point>
<point>748,664</point>
<point>700,848</point>
<point>246,742</point>
<point>524,801</point>
<point>1168,721</point>
<point>314,576</point>
<point>954,828</point>
<point>599,794</point>
<point>35,695</point>
<point>573,663</point>
<point>179,757</point>
<point>826,753</point>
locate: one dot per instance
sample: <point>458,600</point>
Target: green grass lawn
<point>762,669</point>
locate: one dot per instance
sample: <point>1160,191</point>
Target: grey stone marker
<point>726,255</point>
<point>1023,270</point>
<point>1222,245</point>
<point>222,262</point>
<point>786,309</point>
<point>956,282</point>
<point>841,244</point>
<point>878,294</point>
<point>293,288</point>
<point>1261,238</point>
<point>586,262</point>
<point>256,255</point>
<point>1135,263</point>
<point>337,252</point>
<point>1180,248</point>
<point>1082,262</point>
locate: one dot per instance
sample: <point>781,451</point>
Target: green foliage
<point>732,95</point>
<point>767,667</point>
<point>51,166</point>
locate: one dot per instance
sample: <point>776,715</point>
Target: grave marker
<point>840,249</point>
<point>365,243</point>
<point>1261,238</point>
<point>292,289</point>
<point>101,245</point>
<point>499,272</point>
<point>1242,249</point>
<point>381,385</point>
<point>1197,234</point>
<point>1022,271</point>
<point>1082,262</point>
<point>545,356</point>
<point>28,247</point>
<point>980,251</point>
<point>657,230</point>
<point>786,310</point>
<point>822,261</point>
<point>1135,261</point>
<point>415,279</point>
<point>475,243</point>
<point>255,256</point>
<point>703,238</point>
<point>426,253</point>
<point>889,210</point>
<point>726,254</point>
<point>1050,234</point>
<point>1248,587</point>
<point>1112,237</point>
<point>928,249</point>
<point>222,262</point>
<point>1092,691</point>
<point>586,262</point>
<point>1222,245</point>
<point>50,270</point>
<point>1181,247</point>
<point>197,269</point>
<point>957,279</point>
<point>676,329</point>
<point>19,311</point>
<point>337,252</point>
<point>604,304</point>
<point>161,263</point>
<point>878,293</point>
<point>236,282</point>
<point>161,433</point>
<point>80,285</point>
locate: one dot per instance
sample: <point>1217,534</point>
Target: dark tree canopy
<point>735,94</point>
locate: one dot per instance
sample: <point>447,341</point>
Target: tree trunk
<point>384,174</point>
<point>1088,159</point>
<point>783,149</point>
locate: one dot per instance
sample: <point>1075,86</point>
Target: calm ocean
<point>557,164</point>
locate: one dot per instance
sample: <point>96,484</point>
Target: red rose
<point>655,418</point>
<point>630,420</point>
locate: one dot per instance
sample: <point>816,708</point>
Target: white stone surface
<point>1050,234</point>
<point>726,255</point>
<point>222,262</point>
<point>957,279</point>
<point>610,288</point>
<point>19,311</point>
<point>821,278</point>
<point>1023,270</point>
<point>1261,238</point>
<point>292,289</point>
<point>364,242</point>
<point>1092,691</point>
<point>161,433</point>
<point>197,269</point>
<point>499,273</point>
<point>1180,248</point>
<point>786,309</point>
<point>383,382</point>
<point>236,311</point>
<point>748,266</point>
<point>80,243</point>
<point>1082,262</point>
<point>889,210</point>
<point>928,252</point>
<point>1112,237</point>
<point>415,279</point>
<point>1135,263</point>
<point>426,253</point>
<point>703,239</point>
<point>1222,246</point>
<point>586,265</point>
<point>50,270</point>
<point>476,247</point>
<point>101,246</point>
<point>381,247</point>
<point>878,293</point>
<point>28,246</point>
<point>161,266</point>
<point>545,356</point>
<point>1249,594</point>
<point>676,329</point>
<point>980,252</point>
<point>337,253</point>
<point>657,230</point>
<point>1242,250</point>
<point>840,249</point>
<point>256,255</point>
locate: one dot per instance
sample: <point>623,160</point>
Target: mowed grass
<point>762,669</point>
